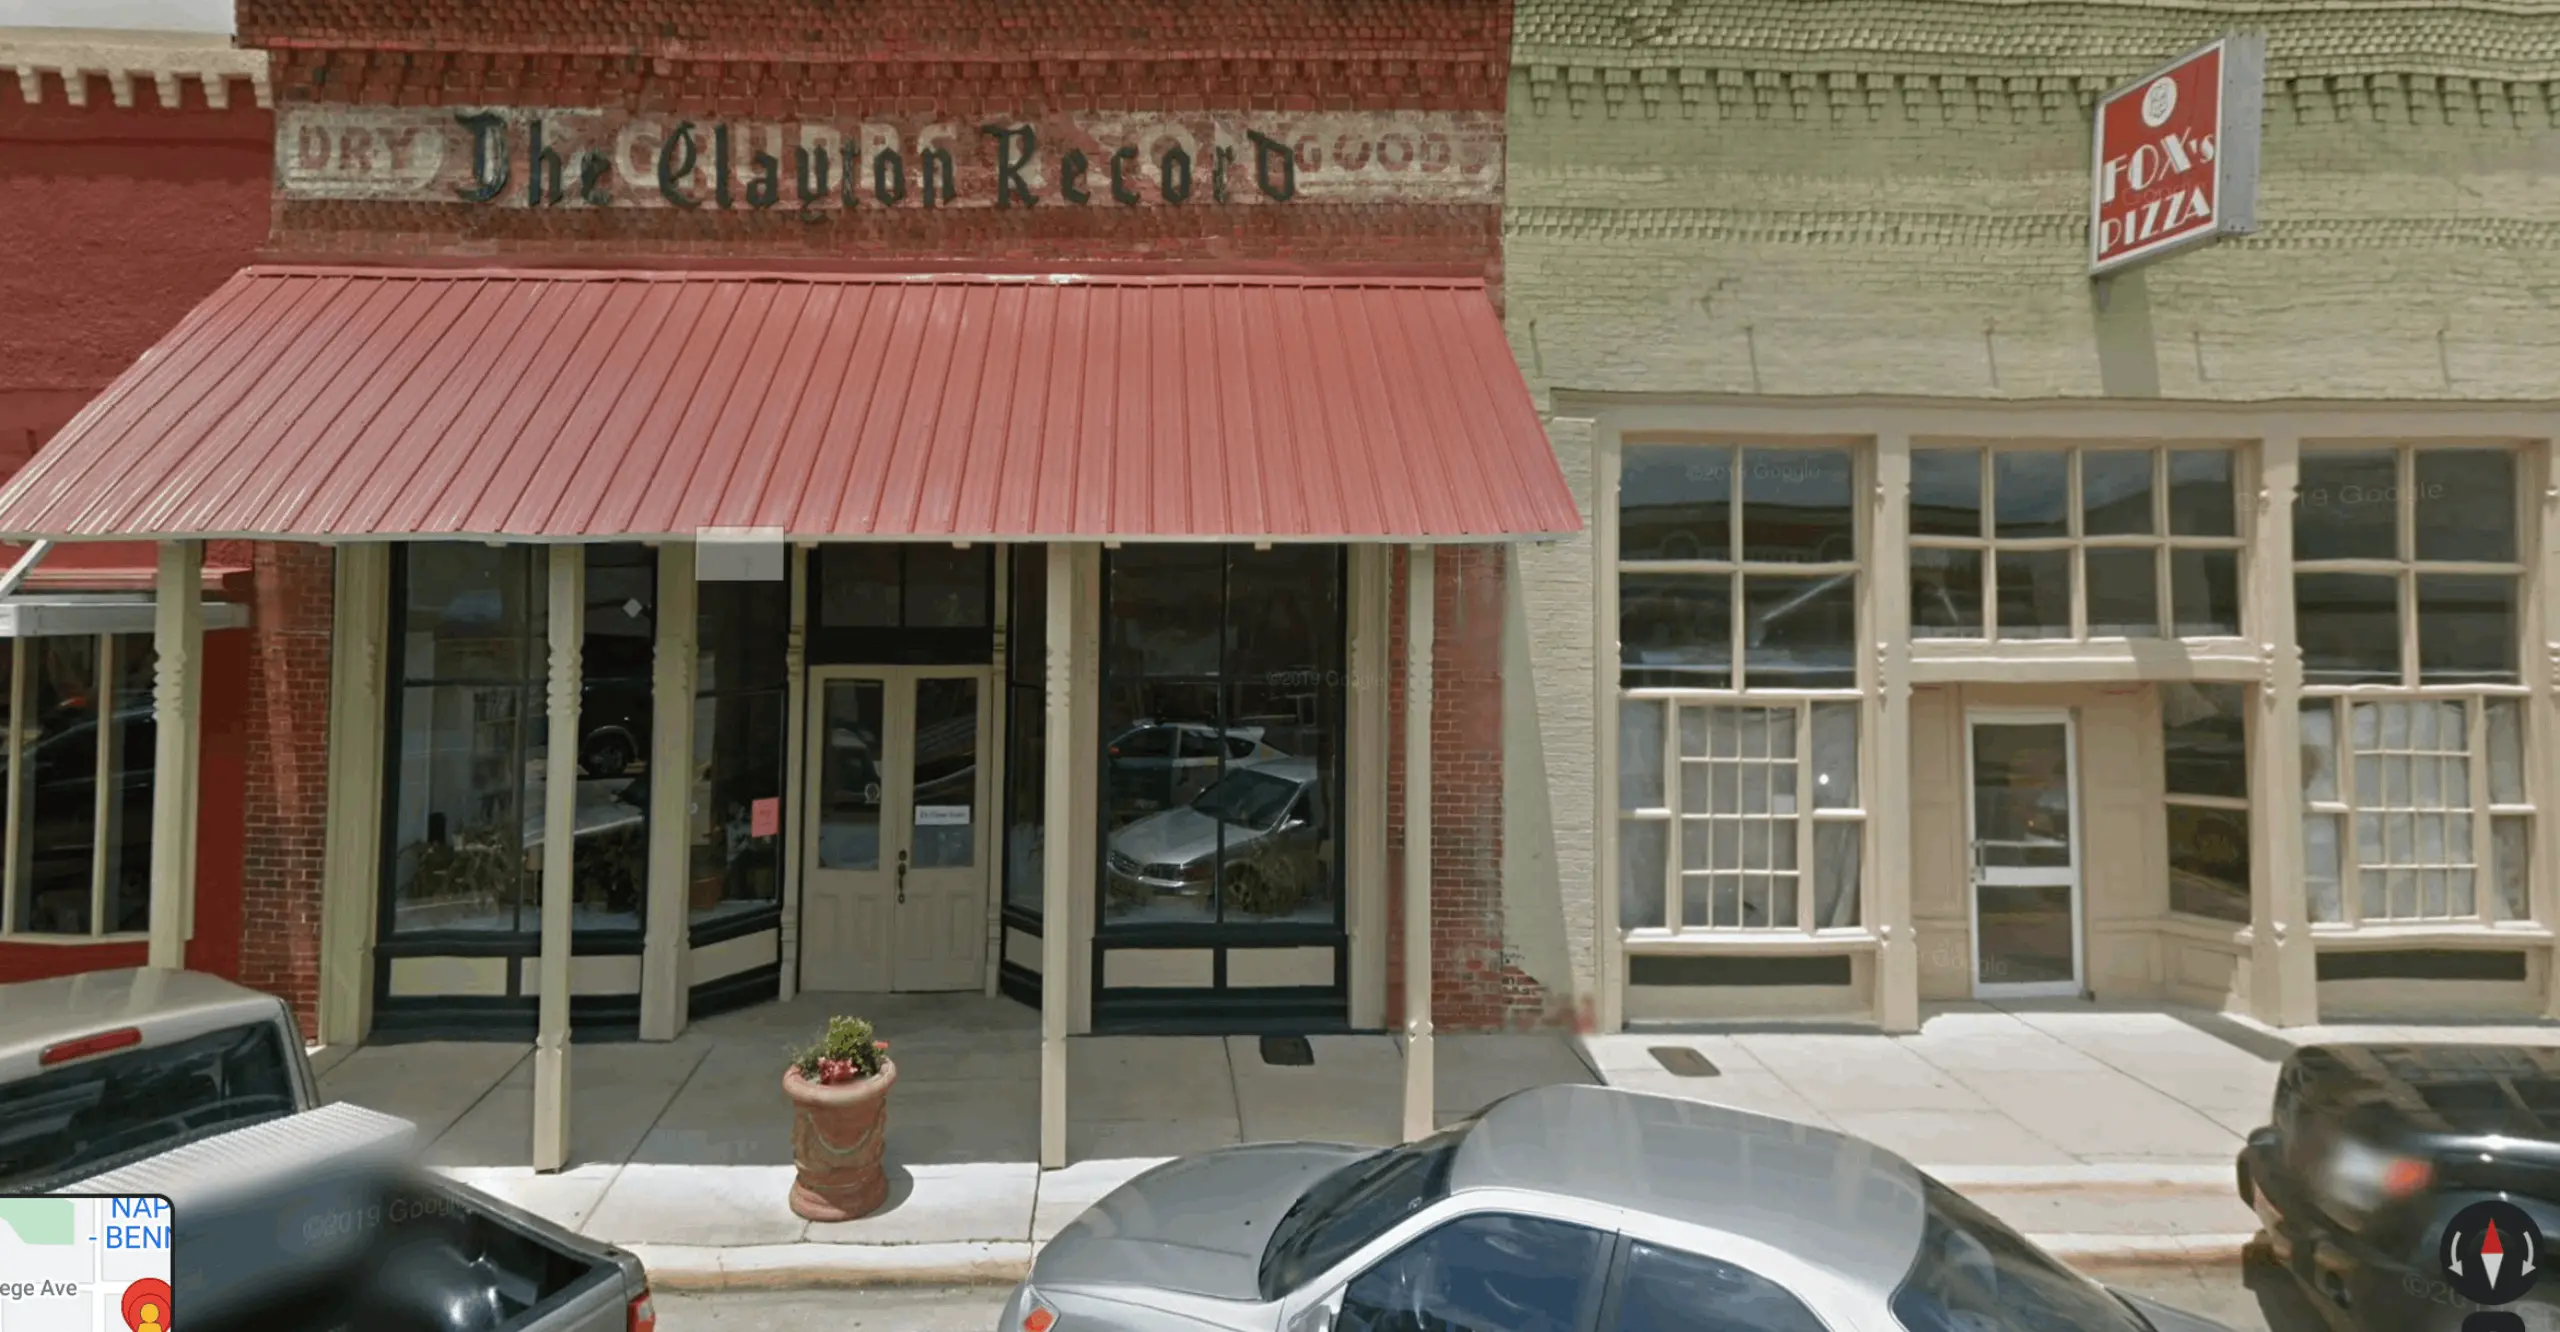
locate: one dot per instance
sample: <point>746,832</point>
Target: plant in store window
<point>1271,878</point>
<point>839,1090</point>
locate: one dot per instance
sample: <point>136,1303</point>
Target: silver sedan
<point>1561,1209</point>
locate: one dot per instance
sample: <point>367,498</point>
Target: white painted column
<point>2542,717</point>
<point>2284,976</point>
<point>1421,603</point>
<point>1057,876</point>
<point>559,848</point>
<point>663,979</point>
<point>1365,908</point>
<point>351,880</point>
<point>1885,767</point>
<point>177,634</point>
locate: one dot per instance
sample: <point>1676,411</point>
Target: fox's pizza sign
<point>2176,159</point>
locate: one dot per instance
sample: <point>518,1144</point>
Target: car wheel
<point>606,755</point>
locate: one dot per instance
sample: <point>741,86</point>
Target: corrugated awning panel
<point>356,403</point>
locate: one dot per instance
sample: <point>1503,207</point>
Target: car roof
<point>35,1014</point>
<point>2441,1088</point>
<point>1838,1203</point>
<point>1296,769</point>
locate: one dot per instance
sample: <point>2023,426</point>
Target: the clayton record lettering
<point>524,158</point>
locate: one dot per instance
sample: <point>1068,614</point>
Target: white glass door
<point>2026,854</point>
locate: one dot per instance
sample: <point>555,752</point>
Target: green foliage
<point>847,1051</point>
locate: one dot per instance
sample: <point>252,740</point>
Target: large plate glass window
<point>470,734</point>
<point>1222,716</point>
<point>81,743</point>
<point>2408,592</point>
<point>1739,793</point>
<point>2204,741</point>
<point>740,702</point>
<point>2026,542</point>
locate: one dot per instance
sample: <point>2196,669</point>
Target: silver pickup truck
<point>289,1215</point>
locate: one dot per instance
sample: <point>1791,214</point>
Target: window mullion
<point>2484,885</point>
<point>12,827</point>
<point>1807,881</point>
<point>2350,846</point>
<point>102,696</point>
<point>1667,758</point>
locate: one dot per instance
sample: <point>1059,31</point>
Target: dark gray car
<point>1566,1208</point>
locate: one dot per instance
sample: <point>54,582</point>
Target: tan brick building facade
<point>1860,230</point>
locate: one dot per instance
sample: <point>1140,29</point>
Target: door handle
<point>902,878</point>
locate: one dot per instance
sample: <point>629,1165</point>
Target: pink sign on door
<point>764,817</point>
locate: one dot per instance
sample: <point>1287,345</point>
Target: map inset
<point>75,1264</point>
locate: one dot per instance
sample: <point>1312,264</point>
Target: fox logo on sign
<point>2176,155</point>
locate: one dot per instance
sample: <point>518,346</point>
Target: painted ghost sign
<point>519,158</point>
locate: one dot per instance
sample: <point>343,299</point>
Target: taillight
<point>644,1314</point>
<point>86,1046</point>
<point>1037,1316</point>
<point>2406,1178</point>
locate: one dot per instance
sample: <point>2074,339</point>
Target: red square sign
<point>2176,156</point>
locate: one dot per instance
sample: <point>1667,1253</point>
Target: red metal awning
<point>361,403</point>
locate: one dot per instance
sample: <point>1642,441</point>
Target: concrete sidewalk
<point>2105,1135</point>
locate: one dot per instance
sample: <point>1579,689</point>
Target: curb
<point>769,1267</point>
<point>679,1268</point>
<point>2216,1175</point>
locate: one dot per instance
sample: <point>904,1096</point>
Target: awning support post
<point>1420,1094</point>
<point>177,634</point>
<point>1057,879</point>
<point>559,864</point>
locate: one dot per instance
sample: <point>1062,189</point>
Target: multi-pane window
<point>77,756</point>
<point>2413,807</point>
<point>1722,549</point>
<point>2204,742</point>
<point>1723,808</point>
<point>2094,542</point>
<point>2407,567</point>
<point>2408,583</point>
<point>1738,785</point>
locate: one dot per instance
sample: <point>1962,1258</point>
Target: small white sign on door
<point>942,816</point>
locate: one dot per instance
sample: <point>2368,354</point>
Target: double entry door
<point>896,836</point>
<point>2026,853</point>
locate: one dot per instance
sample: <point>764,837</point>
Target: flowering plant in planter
<point>839,1091</point>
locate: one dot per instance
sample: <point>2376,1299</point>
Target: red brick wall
<point>287,773</point>
<point>1474,984</point>
<point>119,220</point>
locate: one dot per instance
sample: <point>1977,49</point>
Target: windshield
<point>1974,1274</point>
<point>1247,798</point>
<point>98,1114</point>
<point>1355,1205</point>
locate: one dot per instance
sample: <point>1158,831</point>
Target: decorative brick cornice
<point>1745,92</point>
<point>167,61</point>
<point>773,89</point>
<point>2106,40</point>
<point>1957,232</point>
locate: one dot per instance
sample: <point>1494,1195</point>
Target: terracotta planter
<point>837,1133</point>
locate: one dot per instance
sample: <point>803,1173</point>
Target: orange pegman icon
<point>146,1305</point>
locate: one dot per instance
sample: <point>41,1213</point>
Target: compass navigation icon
<point>2492,1253</point>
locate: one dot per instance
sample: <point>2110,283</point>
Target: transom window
<point>1722,547</point>
<point>2083,542</point>
<point>2413,806</point>
<point>2406,566</point>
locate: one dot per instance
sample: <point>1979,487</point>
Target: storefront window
<point>471,734</point>
<point>2204,745</point>
<point>2074,543</point>
<point>79,839</point>
<point>2416,809</point>
<point>1026,769</point>
<point>2408,577</point>
<point>734,866</point>
<point>1222,717</point>
<point>1738,818</point>
<point>1738,573</point>
<point>1706,565</point>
